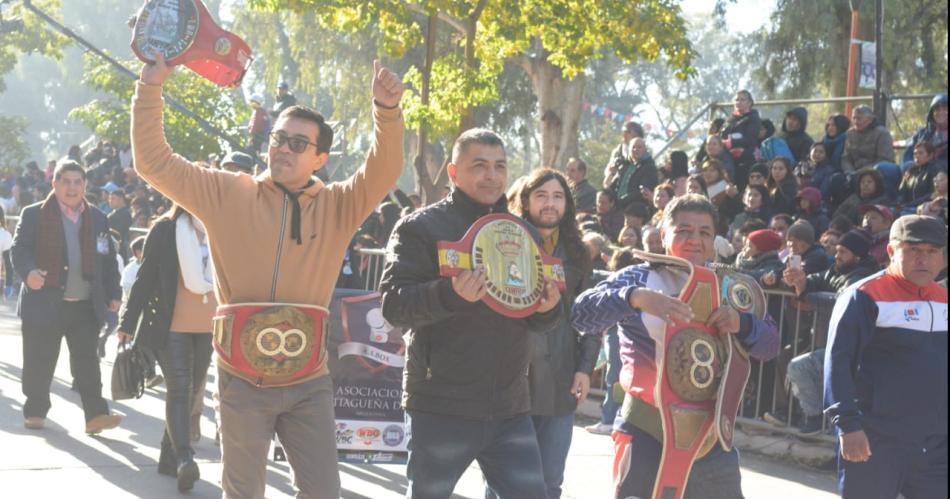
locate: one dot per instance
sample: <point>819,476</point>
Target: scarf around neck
<point>51,242</point>
<point>196,269</point>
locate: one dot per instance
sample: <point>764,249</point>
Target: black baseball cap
<point>919,229</point>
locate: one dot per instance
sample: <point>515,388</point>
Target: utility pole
<point>880,103</point>
<point>853,55</point>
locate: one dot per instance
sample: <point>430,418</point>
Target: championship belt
<point>701,376</point>
<point>514,264</point>
<point>185,33</point>
<point>271,344</point>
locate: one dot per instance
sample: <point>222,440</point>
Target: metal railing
<point>710,110</point>
<point>803,328</point>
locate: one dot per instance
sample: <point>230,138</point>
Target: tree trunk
<point>467,121</point>
<point>559,109</point>
<point>427,188</point>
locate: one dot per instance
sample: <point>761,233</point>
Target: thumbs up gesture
<point>387,87</point>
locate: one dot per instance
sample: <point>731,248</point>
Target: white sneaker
<point>600,429</point>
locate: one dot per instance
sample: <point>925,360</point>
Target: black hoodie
<point>798,141</point>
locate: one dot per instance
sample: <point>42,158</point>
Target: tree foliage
<point>31,38</point>
<point>805,50</point>
<point>570,33</point>
<point>109,118</point>
<point>13,147</point>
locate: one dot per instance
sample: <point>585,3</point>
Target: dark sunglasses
<point>296,144</point>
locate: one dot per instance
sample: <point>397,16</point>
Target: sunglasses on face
<point>296,144</point>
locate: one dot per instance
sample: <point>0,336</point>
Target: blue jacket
<point>927,134</point>
<point>886,360</point>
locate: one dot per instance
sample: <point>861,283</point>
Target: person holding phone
<point>804,253</point>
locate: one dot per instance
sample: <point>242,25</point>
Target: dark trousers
<point>78,323</point>
<point>612,375</point>
<point>442,447</point>
<point>714,476</point>
<point>895,467</point>
<point>554,435</point>
<point>184,362</point>
<point>554,443</point>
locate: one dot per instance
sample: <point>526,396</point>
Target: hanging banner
<point>868,72</point>
<point>366,356</point>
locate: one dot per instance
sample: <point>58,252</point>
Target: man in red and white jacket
<point>886,371</point>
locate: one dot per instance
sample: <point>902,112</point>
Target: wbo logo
<point>911,314</point>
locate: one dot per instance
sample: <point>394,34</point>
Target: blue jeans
<point>805,375</point>
<point>608,411</point>
<point>554,442</point>
<point>442,447</point>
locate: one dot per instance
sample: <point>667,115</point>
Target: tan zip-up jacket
<point>248,218</point>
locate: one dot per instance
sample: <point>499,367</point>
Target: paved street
<point>62,461</point>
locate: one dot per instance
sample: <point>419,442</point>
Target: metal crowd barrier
<point>803,328</point>
<point>372,266</point>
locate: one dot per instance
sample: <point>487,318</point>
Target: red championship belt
<point>185,33</point>
<point>700,376</point>
<point>271,344</point>
<point>514,264</point>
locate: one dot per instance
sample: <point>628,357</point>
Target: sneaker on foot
<point>102,422</point>
<point>600,429</point>
<point>34,423</point>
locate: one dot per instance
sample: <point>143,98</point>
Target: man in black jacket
<point>64,254</point>
<point>465,383</point>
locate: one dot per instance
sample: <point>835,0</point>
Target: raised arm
<point>361,193</point>
<point>196,189</point>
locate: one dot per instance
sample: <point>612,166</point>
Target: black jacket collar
<point>472,209</point>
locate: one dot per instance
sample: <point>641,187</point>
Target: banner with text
<point>366,356</point>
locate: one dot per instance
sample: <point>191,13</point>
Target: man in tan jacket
<point>277,242</point>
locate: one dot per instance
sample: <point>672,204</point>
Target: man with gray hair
<point>867,143</point>
<point>886,371</point>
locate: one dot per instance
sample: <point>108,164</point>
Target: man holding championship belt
<point>465,384</point>
<point>277,241</point>
<point>683,360</point>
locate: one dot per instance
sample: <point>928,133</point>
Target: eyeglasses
<point>296,144</point>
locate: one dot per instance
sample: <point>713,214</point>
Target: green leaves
<point>34,37</point>
<point>13,147</point>
<point>568,33</point>
<point>455,89</point>
<point>109,118</point>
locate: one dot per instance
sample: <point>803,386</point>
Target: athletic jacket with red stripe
<point>886,360</point>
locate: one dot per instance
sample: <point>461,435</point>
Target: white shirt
<point>128,278</point>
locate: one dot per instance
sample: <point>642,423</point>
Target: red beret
<point>766,240</point>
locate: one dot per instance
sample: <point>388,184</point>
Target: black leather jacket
<point>462,359</point>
